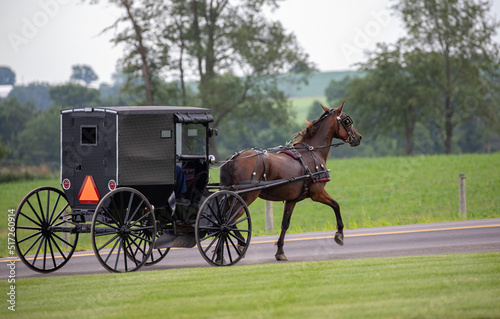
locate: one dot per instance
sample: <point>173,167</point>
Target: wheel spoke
<point>58,248</point>
<point>228,250</point>
<point>118,222</point>
<point>34,212</point>
<point>132,254</point>
<point>129,207</point>
<point>64,221</point>
<point>28,237</point>
<point>34,222</point>
<point>106,224</point>
<point>59,214</point>
<point>236,213</point>
<point>40,205</point>
<point>53,208</point>
<point>112,249</point>
<point>61,239</point>
<point>29,228</point>
<point>234,246</point>
<point>211,243</point>
<point>143,251</point>
<point>45,253</point>
<point>206,216</point>
<point>51,251</point>
<point>140,219</point>
<point>108,242</point>
<point>145,239</point>
<point>239,221</point>
<point>32,244</point>
<point>210,235</point>
<point>118,255</point>
<point>48,204</point>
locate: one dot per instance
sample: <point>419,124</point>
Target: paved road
<point>410,240</point>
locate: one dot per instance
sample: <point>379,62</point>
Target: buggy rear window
<point>88,135</point>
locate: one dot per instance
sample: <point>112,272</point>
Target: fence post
<point>462,195</point>
<point>269,216</point>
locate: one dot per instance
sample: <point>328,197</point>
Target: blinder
<point>347,121</point>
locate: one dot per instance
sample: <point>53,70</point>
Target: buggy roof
<point>182,114</point>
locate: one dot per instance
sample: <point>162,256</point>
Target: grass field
<point>449,286</point>
<point>371,192</point>
<point>302,105</point>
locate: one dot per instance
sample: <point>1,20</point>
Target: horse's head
<point>343,126</point>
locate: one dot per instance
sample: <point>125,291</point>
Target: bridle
<point>346,122</point>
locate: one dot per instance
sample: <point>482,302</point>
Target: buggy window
<point>88,135</point>
<point>191,139</point>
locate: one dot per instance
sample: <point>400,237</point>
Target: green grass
<point>449,286</point>
<point>371,192</point>
<point>390,191</point>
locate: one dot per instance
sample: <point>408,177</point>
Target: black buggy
<point>137,180</point>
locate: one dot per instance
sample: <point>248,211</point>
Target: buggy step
<point>169,240</point>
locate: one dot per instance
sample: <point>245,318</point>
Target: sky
<point>41,39</point>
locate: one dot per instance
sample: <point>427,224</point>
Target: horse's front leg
<point>323,197</point>
<point>285,223</point>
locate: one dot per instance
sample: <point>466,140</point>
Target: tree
<point>141,59</point>
<point>74,95</point>
<point>7,76</point>
<point>391,97</point>
<point>39,142</point>
<point>84,73</point>
<point>233,52</point>
<point>13,118</point>
<point>457,37</point>
<point>218,39</point>
<point>37,93</point>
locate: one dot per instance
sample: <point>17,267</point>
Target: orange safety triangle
<point>89,193</point>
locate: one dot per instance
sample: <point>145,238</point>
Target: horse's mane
<point>310,131</point>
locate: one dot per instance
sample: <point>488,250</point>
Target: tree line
<point>436,88</point>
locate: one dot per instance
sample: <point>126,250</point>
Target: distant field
<point>302,105</point>
<point>371,192</point>
<point>448,286</point>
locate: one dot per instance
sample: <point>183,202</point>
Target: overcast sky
<point>41,39</point>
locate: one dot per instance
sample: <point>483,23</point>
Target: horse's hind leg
<point>285,223</point>
<point>323,197</point>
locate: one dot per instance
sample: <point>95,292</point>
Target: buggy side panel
<point>146,149</point>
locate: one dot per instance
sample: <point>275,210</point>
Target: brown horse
<point>308,155</point>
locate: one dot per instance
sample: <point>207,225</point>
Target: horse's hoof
<point>218,262</point>
<point>339,239</point>
<point>281,257</point>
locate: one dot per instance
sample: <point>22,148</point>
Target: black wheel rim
<point>122,229</point>
<point>223,229</point>
<point>44,238</point>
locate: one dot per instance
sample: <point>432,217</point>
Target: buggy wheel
<point>223,228</point>
<point>157,254</point>
<point>123,226</point>
<point>44,239</point>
